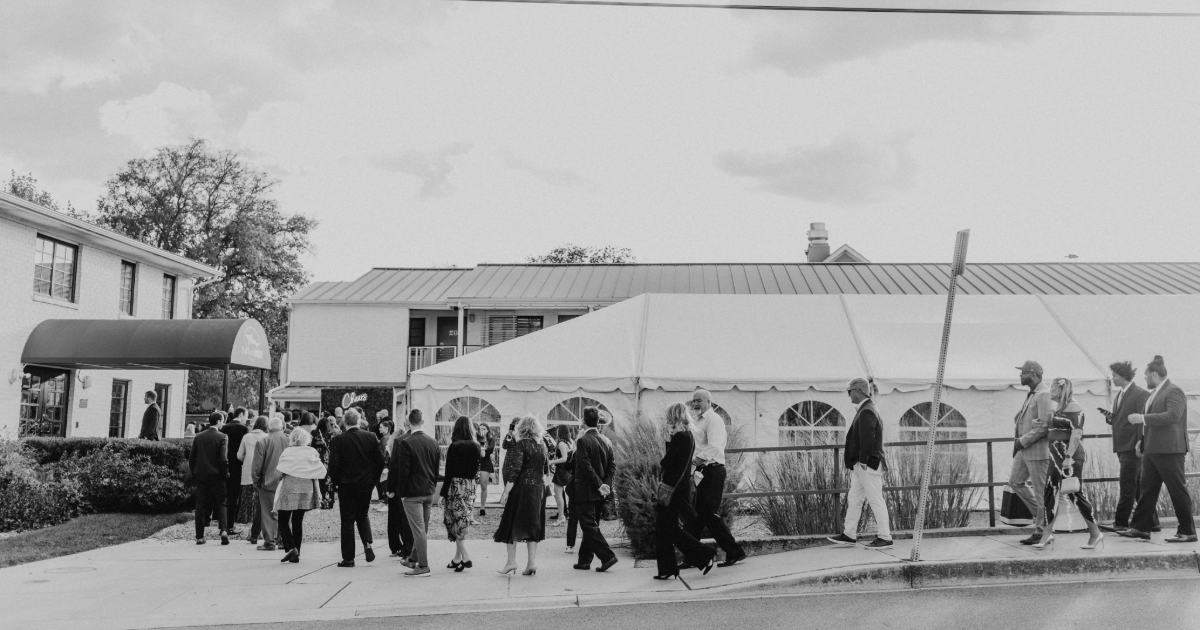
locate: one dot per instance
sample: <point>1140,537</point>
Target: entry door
<point>164,403</point>
<point>447,337</point>
<point>44,404</point>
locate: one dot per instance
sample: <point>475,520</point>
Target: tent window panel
<point>811,423</point>
<point>569,413</point>
<point>477,410</point>
<point>952,426</point>
<point>720,411</point>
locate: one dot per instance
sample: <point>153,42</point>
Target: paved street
<point>1099,605</point>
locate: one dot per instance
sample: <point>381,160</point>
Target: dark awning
<point>148,344</point>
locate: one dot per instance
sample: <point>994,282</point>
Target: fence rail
<point>991,483</point>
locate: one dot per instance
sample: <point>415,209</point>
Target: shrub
<point>112,479</point>
<point>1102,462</point>
<point>950,507</point>
<point>32,497</point>
<point>166,453</point>
<point>795,515</point>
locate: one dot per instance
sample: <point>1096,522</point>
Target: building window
<point>416,332</point>
<point>168,297</point>
<point>54,269</point>
<point>503,327</point>
<point>118,409</point>
<point>952,426</point>
<point>567,318</point>
<point>44,403</point>
<point>128,275</point>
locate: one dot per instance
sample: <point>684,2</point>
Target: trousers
<point>708,506</point>
<point>866,487</point>
<point>1035,471</point>
<point>1158,470</point>
<point>593,545</point>
<point>669,536</point>
<point>269,524</point>
<point>1131,485</point>
<point>233,496</point>
<point>210,502</point>
<point>355,504</point>
<point>400,536</point>
<point>417,509</point>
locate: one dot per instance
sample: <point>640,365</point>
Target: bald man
<point>709,430</point>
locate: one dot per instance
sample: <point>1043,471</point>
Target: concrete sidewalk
<point>150,584</point>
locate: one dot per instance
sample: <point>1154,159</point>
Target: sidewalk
<point>149,583</point>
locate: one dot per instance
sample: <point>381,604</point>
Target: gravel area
<point>325,526</point>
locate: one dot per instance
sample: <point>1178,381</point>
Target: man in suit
<point>866,463</point>
<point>1166,448</point>
<point>417,467</point>
<point>593,484</point>
<point>355,464</point>
<point>209,463</point>
<point>1126,441</point>
<point>711,438</point>
<point>235,429</point>
<point>400,536</point>
<point>266,476</point>
<point>151,417</point>
<point>1031,448</point>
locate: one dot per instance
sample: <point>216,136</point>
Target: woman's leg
<point>558,500</point>
<point>460,550</point>
<point>512,558</point>
<point>1084,505</point>
<point>285,529</point>
<point>664,549</point>
<point>531,553</point>
<point>572,521</point>
<point>297,529</point>
<point>485,478</point>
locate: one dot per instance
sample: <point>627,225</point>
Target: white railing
<point>425,356</point>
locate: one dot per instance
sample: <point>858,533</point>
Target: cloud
<point>169,115</point>
<point>803,45</point>
<point>549,175</point>
<point>847,170</point>
<point>433,168</point>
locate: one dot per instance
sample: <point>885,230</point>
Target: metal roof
<point>425,286</point>
<point>557,285</point>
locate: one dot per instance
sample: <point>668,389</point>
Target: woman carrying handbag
<point>675,501</point>
<point>1066,464</point>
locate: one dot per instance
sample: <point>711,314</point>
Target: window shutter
<point>501,326</point>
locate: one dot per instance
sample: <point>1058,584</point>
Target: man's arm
<point>260,457</point>
<point>192,457</point>
<point>866,440</point>
<point>1176,407</point>
<point>404,466</point>
<point>224,456</point>
<point>584,470</point>
<point>393,480</point>
<point>1044,409</point>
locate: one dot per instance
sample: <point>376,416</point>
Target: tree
<point>214,207</point>
<point>26,187</point>
<point>579,254</point>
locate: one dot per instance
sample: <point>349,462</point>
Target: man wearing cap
<point>709,430</point>
<point>865,460</point>
<point>1031,449</point>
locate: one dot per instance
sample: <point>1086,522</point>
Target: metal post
<point>991,490</point>
<point>459,349</point>
<point>225,388</point>
<point>960,255</point>
<point>837,482</point>
<point>262,391</point>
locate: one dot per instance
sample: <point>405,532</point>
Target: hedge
<point>32,497</point>
<point>165,453</point>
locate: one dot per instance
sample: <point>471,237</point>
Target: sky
<point>430,133</point>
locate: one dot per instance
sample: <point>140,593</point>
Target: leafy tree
<point>26,187</point>
<point>214,207</point>
<point>570,253</point>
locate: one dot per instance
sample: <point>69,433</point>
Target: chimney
<point>818,243</point>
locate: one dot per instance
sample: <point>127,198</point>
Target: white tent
<point>763,354</point>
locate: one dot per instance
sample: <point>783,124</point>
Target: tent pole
<point>225,388</point>
<point>262,388</point>
<point>458,352</point>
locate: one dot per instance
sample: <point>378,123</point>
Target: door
<point>44,402</point>
<point>164,403</point>
<point>447,337</point>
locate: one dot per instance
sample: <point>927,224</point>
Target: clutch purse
<point>1070,485</point>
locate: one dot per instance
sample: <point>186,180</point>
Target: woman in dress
<point>248,507</point>
<point>676,501</point>
<point>524,499</point>
<point>298,492</point>
<point>458,489</point>
<point>384,432</point>
<point>1066,460</point>
<point>487,447</point>
<point>561,464</point>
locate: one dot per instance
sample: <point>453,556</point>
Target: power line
<point>834,9</point>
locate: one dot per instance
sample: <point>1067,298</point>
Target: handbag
<point>1070,485</point>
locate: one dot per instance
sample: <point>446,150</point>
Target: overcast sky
<point>437,133</point>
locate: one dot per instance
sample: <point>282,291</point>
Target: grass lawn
<point>82,534</point>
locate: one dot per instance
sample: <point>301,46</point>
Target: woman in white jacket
<point>300,467</point>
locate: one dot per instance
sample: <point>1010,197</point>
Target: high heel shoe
<point>1043,545</point>
<point>667,577</point>
<point>512,571</point>
<point>466,565</point>
<point>1092,545</point>
<point>453,565</point>
<point>532,571</point>
<point>461,566</point>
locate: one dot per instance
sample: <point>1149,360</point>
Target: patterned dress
<point>457,513</point>
<point>1062,424</point>
<point>524,518</point>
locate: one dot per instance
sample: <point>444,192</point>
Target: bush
<point>112,479</point>
<point>167,453</point>
<point>947,508</point>
<point>796,515</point>
<point>1102,462</point>
<point>33,498</point>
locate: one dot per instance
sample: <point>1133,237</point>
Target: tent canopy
<point>148,344</point>
<point>677,342</point>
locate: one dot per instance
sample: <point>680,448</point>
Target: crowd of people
<point>268,473</point>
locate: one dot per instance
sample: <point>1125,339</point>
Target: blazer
<point>676,466</point>
<point>354,458</point>
<point>1033,423</point>
<point>266,460</point>
<point>150,422</point>
<point>864,438</point>
<point>236,432</point>
<point>462,462</point>
<point>393,463</point>
<point>209,457</point>
<point>593,466</point>
<point>417,466</point>
<point>1126,436</point>
<point>1166,421</point>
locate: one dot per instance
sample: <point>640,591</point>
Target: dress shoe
<point>199,541</point>
<point>1113,527</point>
<point>1182,538</point>
<point>418,572</point>
<point>287,557</point>
<point>1133,533</point>
<point>346,564</point>
<point>1033,540</point>
<point>712,562</point>
<point>370,553</point>
<point>582,567</point>
<point>1155,529</point>
<point>235,532</point>
<point>224,538</point>
<point>408,563</point>
<point>732,560</point>
<point>879,543</point>
<point>841,539</point>
<point>266,547</point>
<point>667,577</point>
<point>606,565</point>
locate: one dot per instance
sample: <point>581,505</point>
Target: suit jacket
<point>1033,423</point>
<point>209,457</point>
<point>864,438</point>
<point>1126,436</point>
<point>150,420</point>
<point>236,432</point>
<point>1166,421</point>
<point>593,466</point>
<point>354,458</point>
<point>417,466</point>
<point>266,460</point>
<point>676,468</point>
<point>393,464</point>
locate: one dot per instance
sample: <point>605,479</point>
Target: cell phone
<point>1104,411</point>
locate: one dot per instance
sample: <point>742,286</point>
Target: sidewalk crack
<point>339,592</point>
<point>310,573</point>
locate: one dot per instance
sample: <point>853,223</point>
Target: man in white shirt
<point>709,430</point>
